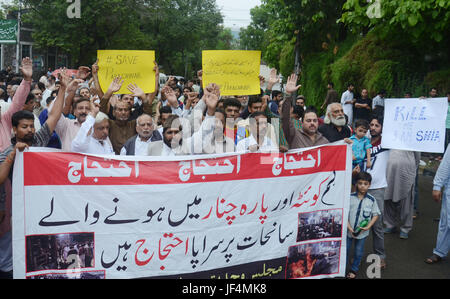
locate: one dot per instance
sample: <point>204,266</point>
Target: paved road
<point>405,258</point>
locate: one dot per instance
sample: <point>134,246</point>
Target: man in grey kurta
<point>399,195</point>
<point>442,180</point>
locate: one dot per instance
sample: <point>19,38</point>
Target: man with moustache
<point>67,129</point>
<point>174,143</point>
<point>308,135</point>
<point>379,157</point>
<point>257,139</point>
<point>122,127</point>
<point>92,138</point>
<point>146,133</point>
<point>334,127</point>
<point>25,136</point>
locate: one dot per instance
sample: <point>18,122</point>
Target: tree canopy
<point>176,29</point>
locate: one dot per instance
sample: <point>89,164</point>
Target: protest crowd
<point>74,114</point>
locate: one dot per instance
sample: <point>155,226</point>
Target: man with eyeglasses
<point>146,133</point>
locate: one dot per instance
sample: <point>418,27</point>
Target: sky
<point>236,12</point>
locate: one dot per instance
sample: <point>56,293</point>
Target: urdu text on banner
<point>240,215</point>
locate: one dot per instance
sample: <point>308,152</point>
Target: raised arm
<point>151,96</point>
<point>288,127</point>
<point>98,88</point>
<point>273,79</point>
<point>115,86</point>
<point>70,95</point>
<point>22,91</point>
<point>80,143</point>
<point>56,111</point>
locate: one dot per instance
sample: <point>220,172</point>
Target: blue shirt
<point>360,147</point>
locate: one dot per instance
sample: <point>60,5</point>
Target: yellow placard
<point>134,66</point>
<point>235,71</point>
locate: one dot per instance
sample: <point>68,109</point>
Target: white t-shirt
<point>379,158</point>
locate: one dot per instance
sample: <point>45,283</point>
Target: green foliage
<point>109,24</point>
<point>253,36</point>
<point>394,45</point>
<point>422,21</point>
<point>380,76</point>
<point>440,80</point>
<point>181,27</point>
<point>377,63</point>
<point>176,29</point>
<point>287,58</point>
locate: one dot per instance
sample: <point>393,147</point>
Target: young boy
<point>362,215</point>
<point>361,144</point>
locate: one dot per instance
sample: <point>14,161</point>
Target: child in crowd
<point>361,145</point>
<point>362,215</point>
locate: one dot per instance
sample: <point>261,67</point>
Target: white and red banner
<point>252,215</point>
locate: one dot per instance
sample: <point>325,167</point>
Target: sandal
<point>351,275</point>
<point>433,259</point>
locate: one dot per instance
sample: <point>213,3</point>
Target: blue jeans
<point>359,252</point>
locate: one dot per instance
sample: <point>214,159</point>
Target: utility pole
<point>18,37</point>
<point>298,62</point>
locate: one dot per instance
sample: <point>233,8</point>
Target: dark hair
<point>275,93</point>
<point>257,113</point>
<point>49,100</point>
<point>41,86</point>
<point>165,109</point>
<point>364,176</point>
<point>253,99</point>
<point>19,115</point>
<point>169,121</point>
<point>231,102</point>
<point>378,117</point>
<point>218,110</point>
<point>75,104</point>
<point>126,102</point>
<point>30,97</point>
<point>298,110</point>
<point>310,109</point>
<point>14,82</point>
<point>331,84</point>
<point>362,123</point>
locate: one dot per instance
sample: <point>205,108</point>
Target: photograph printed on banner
<point>313,259</point>
<point>60,251</point>
<point>76,275</point>
<point>319,225</point>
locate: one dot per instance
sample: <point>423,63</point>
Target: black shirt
<point>330,132</point>
<point>363,113</point>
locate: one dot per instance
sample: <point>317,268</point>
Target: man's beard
<point>374,135</point>
<point>27,138</point>
<point>338,121</point>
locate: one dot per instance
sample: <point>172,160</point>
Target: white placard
<point>415,124</point>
